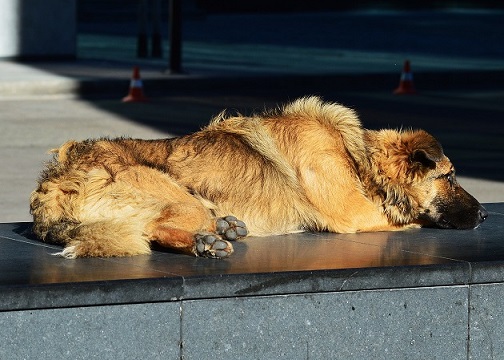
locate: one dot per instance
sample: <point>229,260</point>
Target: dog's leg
<point>190,229</point>
<point>200,244</point>
<point>214,245</point>
<point>111,238</point>
<point>120,215</point>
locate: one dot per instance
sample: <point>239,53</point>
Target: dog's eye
<point>451,178</point>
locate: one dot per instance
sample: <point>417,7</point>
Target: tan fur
<point>307,166</point>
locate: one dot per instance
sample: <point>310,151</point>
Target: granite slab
<point>30,277</point>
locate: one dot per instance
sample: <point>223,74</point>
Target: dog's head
<point>418,182</point>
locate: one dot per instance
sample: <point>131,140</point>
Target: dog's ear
<point>404,155</point>
<point>424,150</point>
<point>424,158</point>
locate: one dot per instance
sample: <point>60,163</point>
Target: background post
<point>175,34</point>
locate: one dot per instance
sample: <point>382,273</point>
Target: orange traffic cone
<point>136,88</point>
<point>406,84</point>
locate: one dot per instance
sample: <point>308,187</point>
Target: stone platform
<point>418,294</point>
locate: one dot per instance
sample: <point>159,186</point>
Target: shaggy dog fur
<point>307,166</point>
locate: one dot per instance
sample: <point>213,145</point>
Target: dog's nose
<point>483,214</point>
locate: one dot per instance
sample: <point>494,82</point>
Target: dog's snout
<point>483,214</point>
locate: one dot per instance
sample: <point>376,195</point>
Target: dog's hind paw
<point>212,246</point>
<point>68,253</point>
<point>230,228</point>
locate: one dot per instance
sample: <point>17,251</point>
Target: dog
<point>306,166</point>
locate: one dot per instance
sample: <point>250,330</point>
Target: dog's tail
<point>90,239</point>
<point>99,239</point>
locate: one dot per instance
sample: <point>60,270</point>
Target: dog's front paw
<point>212,246</point>
<point>230,228</point>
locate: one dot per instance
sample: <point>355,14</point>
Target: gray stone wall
<point>38,29</point>
<point>450,322</point>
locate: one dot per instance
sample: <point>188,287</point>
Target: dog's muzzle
<point>483,214</point>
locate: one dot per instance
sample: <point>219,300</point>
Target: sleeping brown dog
<point>310,166</point>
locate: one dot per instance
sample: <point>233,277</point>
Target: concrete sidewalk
<point>448,49</point>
